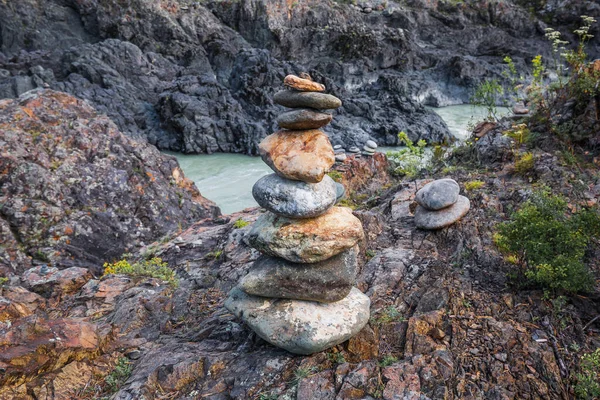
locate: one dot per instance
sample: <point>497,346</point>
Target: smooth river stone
<point>294,199</point>
<point>299,155</point>
<point>299,326</point>
<point>438,194</point>
<point>306,240</point>
<point>431,220</point>
<point>303,119</point>
<point>326,281</point>
<point>303,85</point>
<point>320,101</point>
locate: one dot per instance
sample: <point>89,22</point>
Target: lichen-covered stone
<point>300,155</point>
<point>438,194</point>
<point>298,326</point>
<point>326,281</point>
<point>294,199</point>
<point>431,220</point>
<point>306,240</point>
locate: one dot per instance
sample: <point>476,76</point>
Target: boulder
<point>326,281</point>
<point>431,220</point>
<point>294,199</point>
<point>303,119</point>
<point>303,85</point>
<point>320,101</point>
<point>303,155</point>
<point>438,194</point>
<point>306,240</point>
<point>49,281</point>
<point>298,326</point>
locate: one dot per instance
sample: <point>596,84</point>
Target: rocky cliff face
<point>198,76</point>
<point>77,192</point>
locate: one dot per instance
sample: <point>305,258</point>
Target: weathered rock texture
<point>77,192</point>
<point>302,327</point>
<point>306,240</point>
<point>199,76</point>
<point>326,281</point>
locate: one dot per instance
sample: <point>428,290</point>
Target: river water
<point>227,179</point>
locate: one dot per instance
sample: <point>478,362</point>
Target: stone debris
<point>306,276</point>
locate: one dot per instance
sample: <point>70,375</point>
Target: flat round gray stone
<point>299,326</point>
<point>354,149</point>
<point>341,157</point>
<point>431,220</point>
<point>326,281</point>
<point>294,199</point>
<point>320,101</point>
<point>303,119</point>
<point>371,144</point>
<point>438,194</point>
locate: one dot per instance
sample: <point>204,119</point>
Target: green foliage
<point>118,375</point>
<point>370,253</point>
<point>335,175</point>
<point>474,185</point>
<point>387,361</point>
<point>390,314</point>
<point>154,268</point>
<point>550,243</point>
<point>336,358</point>
<point>407,161</point>
<point>215,254</point>
<point>520,133</point>
<point>524,163</point>
<point>488,94</point>
<point>3,280</point>
<point>301,373</point>
<point>240,223</point>
<point>588,380</point>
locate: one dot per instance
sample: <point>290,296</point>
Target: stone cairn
<point>299,293</point>
<point>440,205</point>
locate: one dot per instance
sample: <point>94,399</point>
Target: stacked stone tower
<point>299,294</point>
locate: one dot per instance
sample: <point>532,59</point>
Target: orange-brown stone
<point>304,85</point>
<point>300,155</point>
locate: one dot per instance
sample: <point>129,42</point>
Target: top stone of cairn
<point>303,84</point>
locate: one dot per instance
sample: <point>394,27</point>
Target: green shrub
<point>473,185</point>
<point>524,163</point>
<point>588,380</point>
<point>154,268</point>
<point>407,161</point>
<point>240,223</point>
<point>549,243</point>
<point>487,94</point>
<point>118,375</point>
<point>3,280</point>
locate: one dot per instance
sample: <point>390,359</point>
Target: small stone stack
<point>299,294</point>
<point>440,205</point>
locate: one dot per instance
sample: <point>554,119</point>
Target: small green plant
<point>154,268</point>
<point>268,396</point>
<point>336,358</point>
<point>524,163</point>
<point>407,161</point>
<point>488,94</point>
<point>215,254</point>
<point>118,375</point>
<point>588,380</point>
<point>240,223</point>
<point>3,280</point>
<point>370,253</point>
<point>473,185</point>
<point>549,243</point>
<point>387,361</point>
<point>301,373</point>
<point>390,314</point>
<point>519,133</point>
<point>336,175</point>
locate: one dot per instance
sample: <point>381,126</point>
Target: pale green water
<point>227,179</point>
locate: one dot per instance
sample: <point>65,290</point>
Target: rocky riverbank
<point>197,77</point>
<point>446,320</point>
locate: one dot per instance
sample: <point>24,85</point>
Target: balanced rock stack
<point>299,294</point>
<point>440,205</point>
